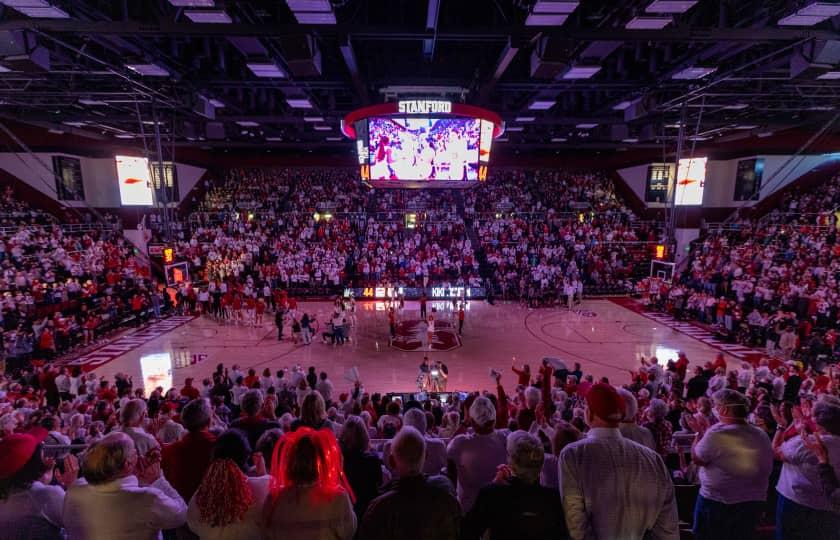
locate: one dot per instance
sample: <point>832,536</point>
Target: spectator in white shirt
<point>111,502</point>
<point>628,427</point>
<point>29,506</point>
<point>132,416</point>
<point>735,460</point>
<point>435,448</point>
<point>803,509</point>
<point>472,458</point>
<point>602,500</point>
<point>325,387</point>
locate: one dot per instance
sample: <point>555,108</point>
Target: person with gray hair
<point>185,462</point>
<point>472,458</point>
<point>660,428</point>
<point>111,502</point>
<point>414,505</point>
<point>804,508</point>
<point>515,505</point>
<point>629,428</point>
<point>435,447</point>
<point>735,460</point>
<point>132,417</point>
<point>252,423</point>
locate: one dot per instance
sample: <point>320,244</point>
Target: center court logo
<point>411,336</point>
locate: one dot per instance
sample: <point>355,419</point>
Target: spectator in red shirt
<point>185,462</point>
<point>189,391</point>
<point>524,374</point>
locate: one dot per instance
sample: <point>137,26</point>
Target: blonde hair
<point>107,459</point>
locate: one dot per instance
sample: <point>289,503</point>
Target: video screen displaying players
<point>433,149</point>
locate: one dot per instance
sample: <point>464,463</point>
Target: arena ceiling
<point>601,74</point>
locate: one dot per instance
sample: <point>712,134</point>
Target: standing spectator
<point>308,500</point>
<point>602,500</point>
<point>132,416</point>
<point>325,388</point>
<point>660,427</point>
<point>362,467</point>
<point>189,391</point>
<point>415,506</point>
<point>185,462</point>
<point>114,503</point>
<point>29,506</point>
<point>803,508</point>
<point>252,423</point>
<point>228,503</point>
<point>629,428</point>
<point>472,458</point>
<point>515,505</point>
<point>735,460</point>
<point>435,448</point>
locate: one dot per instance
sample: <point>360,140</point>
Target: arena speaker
<point>549,59</point>
<point>639,107</point>
<point>814,57</point>
<point>19,51</point>
<point>302,55</point>
<point>215,130</point>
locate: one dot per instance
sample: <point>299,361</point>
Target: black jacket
<point>516,510</point>
<point>413,508</point>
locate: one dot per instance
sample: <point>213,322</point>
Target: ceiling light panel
<point>671,6</point>
<point>208,16</point>
<point>648,23</point>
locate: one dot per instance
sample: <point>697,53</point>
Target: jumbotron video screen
<point>424,149</point>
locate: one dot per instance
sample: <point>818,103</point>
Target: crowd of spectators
<point>770,282</point>
<point>64,288</point>
<point>291,455</point>
<point>549,235</point>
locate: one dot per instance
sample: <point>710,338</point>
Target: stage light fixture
<point>525,118</point>
<point>322,128</point>
<point>247,123</point>
<point>192,3</point>
<point>586,125</point>
<point>313,119</point>
<point>829,76</point>
<point>622,105</point>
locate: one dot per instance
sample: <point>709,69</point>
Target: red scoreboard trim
<point>392,109</point>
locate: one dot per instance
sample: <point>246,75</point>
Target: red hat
<point>17,450</point>
<point>605,402</point>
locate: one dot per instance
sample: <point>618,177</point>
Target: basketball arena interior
<point>419,269</point>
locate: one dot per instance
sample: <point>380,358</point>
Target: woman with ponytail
<point>228,503</point>
<point>310,498</point>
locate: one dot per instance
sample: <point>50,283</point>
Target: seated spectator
<point>472,458</point>
<point>228,503</point>
<point>515,505</point>
<point>308,500</point>
<point>112,502</point>
<point>414,506</point>
<point>604,501</point>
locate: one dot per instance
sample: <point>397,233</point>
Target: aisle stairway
<point>485,269</point>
